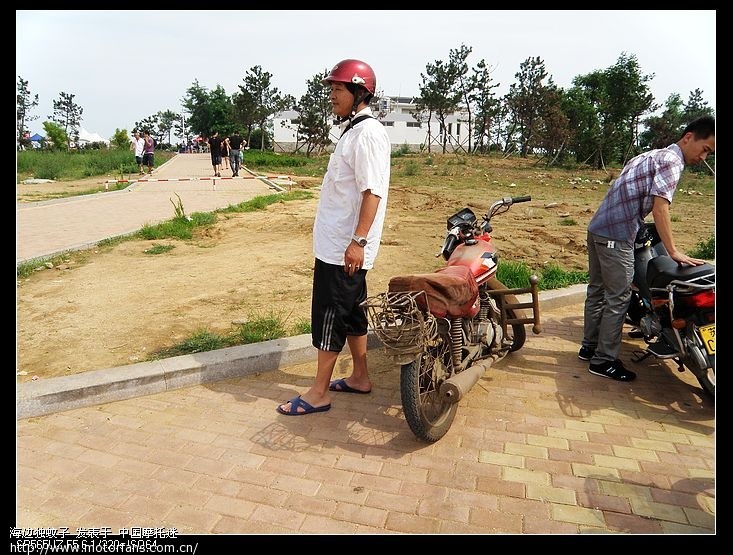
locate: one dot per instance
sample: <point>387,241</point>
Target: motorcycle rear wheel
<point>428,414</point>
<point>707,378</point>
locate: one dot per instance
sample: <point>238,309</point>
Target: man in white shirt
<point>137,145</point>
<point>346,236</point>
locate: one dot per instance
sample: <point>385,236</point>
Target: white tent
<point>87,137</point>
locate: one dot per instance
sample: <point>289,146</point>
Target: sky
<point>123,66</point>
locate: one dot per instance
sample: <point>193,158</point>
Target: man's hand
<point>353,258</point>
<point>682,258</point>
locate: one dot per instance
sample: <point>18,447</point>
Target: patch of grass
<point>180,227</point>
<point>301,326</point>
<point>201,341</point>
<point>254,330</point>
<point>568,221</point>
<point>411,169</point>
<point>704,249</point>
<point>262,202</point>
<point>516,274</point>
<point>157,248</point>
<point>262,328</point>
<point>675,218</point>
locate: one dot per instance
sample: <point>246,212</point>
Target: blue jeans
<point>234,160</point>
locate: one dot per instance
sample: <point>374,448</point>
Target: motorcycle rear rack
<point>505,306</point>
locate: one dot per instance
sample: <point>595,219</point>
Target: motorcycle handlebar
<point>525,198</point>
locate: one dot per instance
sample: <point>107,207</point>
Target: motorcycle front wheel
<point>428,414</point>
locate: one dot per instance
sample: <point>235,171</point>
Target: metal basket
<point>398,322</point>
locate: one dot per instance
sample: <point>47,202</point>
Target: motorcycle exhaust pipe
<point>454,388</point>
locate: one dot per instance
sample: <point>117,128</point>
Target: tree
<point>527,101</point>
<point>196,104</point>
<point>465,85</point>
<point>56,136</point>
<point>485,104</point>
<point>663,130</point>
<point>166,122</point>
<point>439,91</point>
<point>696,107</point>
<point>245,111</point>
<point>314,109</point>
<point>265,99</point>
<point>68,115</point>
<point>618,97</point>
<point>121,139</point>
<point>24,104</point>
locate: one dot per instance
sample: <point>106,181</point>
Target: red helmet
<point>353,71</point>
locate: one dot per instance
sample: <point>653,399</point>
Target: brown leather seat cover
<point>451,291</point>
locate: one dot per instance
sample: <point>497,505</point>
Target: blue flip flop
<point>341,386</point>
<point>297,402</point>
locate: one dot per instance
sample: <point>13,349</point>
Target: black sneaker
<point>586,353</point>
<point>614,370</point>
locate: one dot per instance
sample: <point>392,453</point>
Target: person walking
<point>225,152</point>
<point>137,145</point>
<point>148,152</point>
<point>215,152</point>
<point>236,142</point>
<point>346,237</point>
<point>646,185</point>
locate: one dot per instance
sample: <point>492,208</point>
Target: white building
<point>397,115</point>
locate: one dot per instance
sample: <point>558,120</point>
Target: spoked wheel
<point>707,378</point>
<point>428,414</point>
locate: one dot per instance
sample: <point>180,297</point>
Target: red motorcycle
<point>447,328</point>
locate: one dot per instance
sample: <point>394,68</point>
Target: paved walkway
<point>539,445</point>
<point>50,227</point>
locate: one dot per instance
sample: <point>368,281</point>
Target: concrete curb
<point>124,382</point>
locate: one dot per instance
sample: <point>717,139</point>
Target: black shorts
<point>148,159</point>
<point>335,310</point>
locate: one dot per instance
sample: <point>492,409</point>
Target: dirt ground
<point>115,305</point>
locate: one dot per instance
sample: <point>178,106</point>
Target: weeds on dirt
<point>260,203</point>
<point>704,249</point>
<point>157,248</point>
<point>178,208</point>
<point>255,330</point>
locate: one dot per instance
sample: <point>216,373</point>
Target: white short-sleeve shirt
<point>360,162</point>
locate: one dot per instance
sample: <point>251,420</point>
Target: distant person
<point>215,151</point>
<point>148,152</point>
<point>225,152</point>
<point>236,142</point>
<point>646,185</point>
<point>137,145</point>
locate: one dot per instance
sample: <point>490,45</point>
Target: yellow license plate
<point>708,338</point>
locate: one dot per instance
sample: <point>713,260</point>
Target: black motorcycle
<point>672,308</point>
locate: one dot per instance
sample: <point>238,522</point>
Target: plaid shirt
<point>630,198</point>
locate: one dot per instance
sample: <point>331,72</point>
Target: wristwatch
<point>361,241</point>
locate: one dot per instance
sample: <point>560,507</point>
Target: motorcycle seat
<point>451,292</point>
<point>663,269</point>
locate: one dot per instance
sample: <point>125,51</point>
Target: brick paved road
<point>538,446</point>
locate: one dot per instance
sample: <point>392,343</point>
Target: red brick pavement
<point>539,446</point>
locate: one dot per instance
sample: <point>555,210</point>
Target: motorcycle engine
<point>484,333</point>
